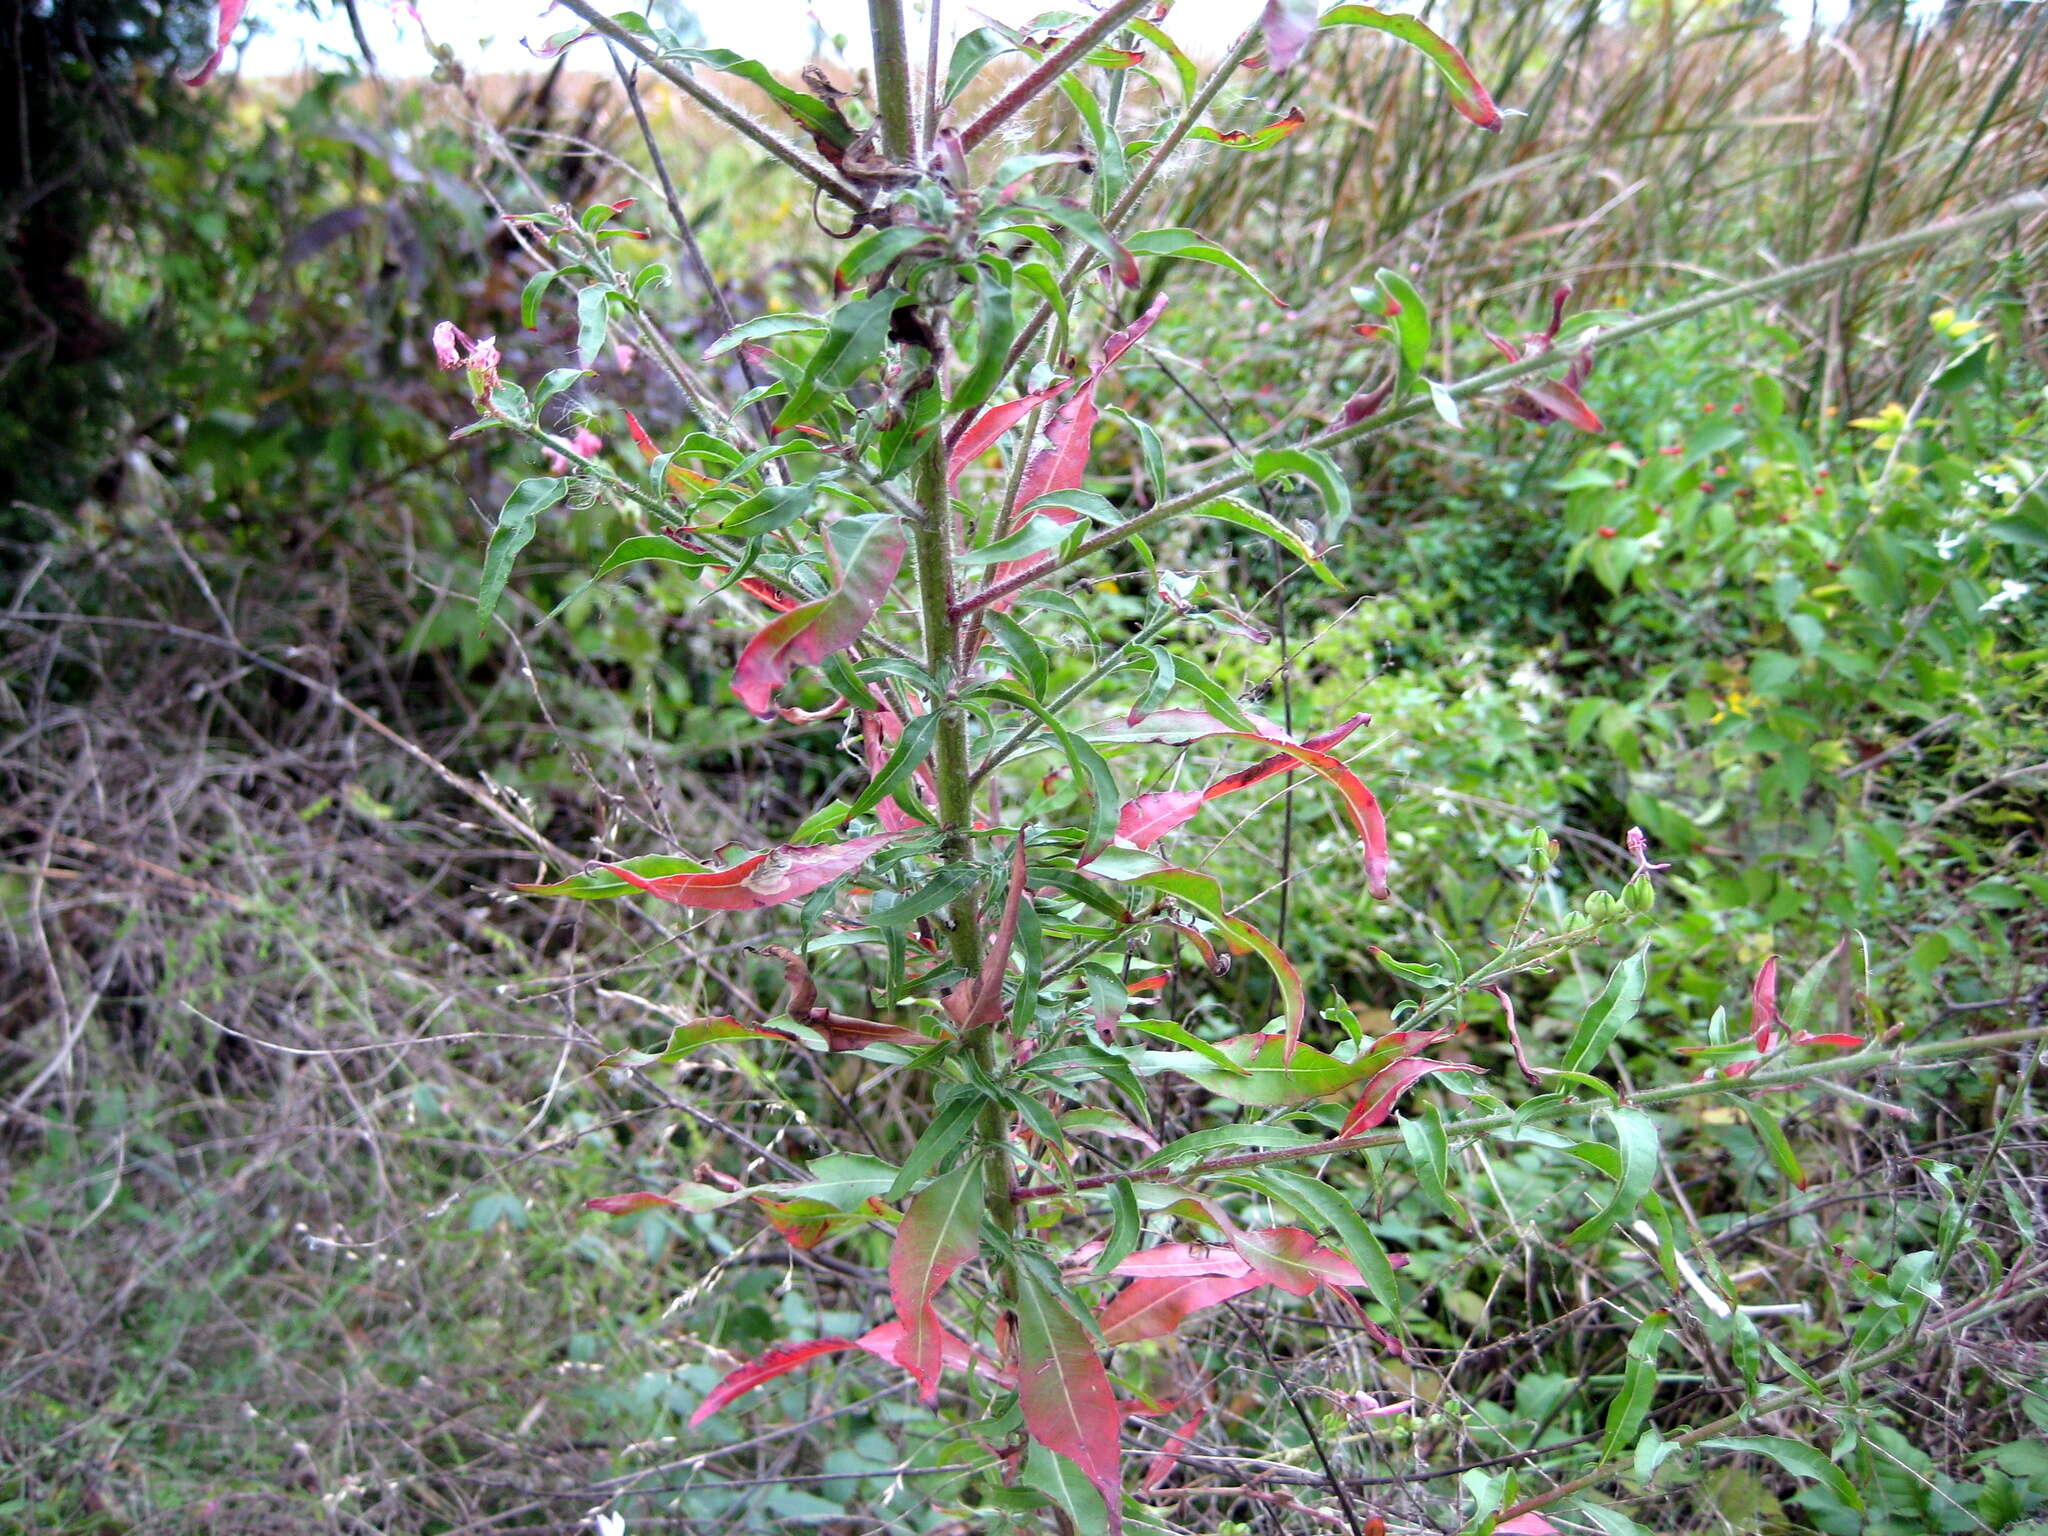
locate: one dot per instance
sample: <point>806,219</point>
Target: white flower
<point>610,1524</point>
<point>2008,593</point>
<point>1948,543</point>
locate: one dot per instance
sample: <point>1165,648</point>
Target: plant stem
<point>1049,69</point>
<point>2027,203</point>
<point>1477,1125</point>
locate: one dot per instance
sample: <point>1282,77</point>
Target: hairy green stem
<point>2027,203</point>
<point>1478,1125</point>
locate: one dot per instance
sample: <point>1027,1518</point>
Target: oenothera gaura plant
<point>895,490</point>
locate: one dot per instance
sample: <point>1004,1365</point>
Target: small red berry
<point>1708,408</point>
<point>1735,410</point>
<point>1606,533</point>
<point>1720,469</point>
<point>1706,488</point>
<point>1822,473</point>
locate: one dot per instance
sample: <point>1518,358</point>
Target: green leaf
<point>912,748</point>
<point>996,328</point>
<point>1772,1135</point>
<point>1166,1029</point>
<point>1796,1457</point>
<point>934,895</point>
<point>514,532</point>
<point>768,510</point>
<point>1625,1414</point>
<point>1429,1155</point>
<point>761,327</point>
<point>948,1128</point>
<point>1614,1007</point>
<point>1316,467</point>
<point>1197,1146</point>
<point>653,546</point>
<point>1319,1203</point>
<point>940,1232</point>
<point>878,250</point>
<point>1467,94</point>
<point>1186,245</point>
<point>530,296</point>
<point>1631,1162</point>
<point>854,339</point>
<point>593,320</point>
<point>820,117</point>
<point>1227,509</point>
<point>1124,1226</point>
<point>970,53</point>
<point>1411,325</point>
<point>1024,651</point>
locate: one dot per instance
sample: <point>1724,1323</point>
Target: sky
<point>280,37</point>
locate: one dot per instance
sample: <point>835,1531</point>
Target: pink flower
<point>586,443</point>
<point>453,349</point>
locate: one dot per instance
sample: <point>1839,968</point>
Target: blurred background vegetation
<point>299,1108</point>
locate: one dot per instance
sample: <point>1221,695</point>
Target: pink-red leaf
<point>1287,25</point>
<point>1148,818</point>
<point>1068,1404</point>
<point>1280,1256</point>
<point>1155,1306</point>
<point>627,1205</point>
<point>940,1232</point>
<point>1763,1005</point>
<point>1387,1086</point>
<point>956,1353</point>
<point>784,874</point>
<point>224,33</point>
<point>776,1362</point>
<point>1182,1259</point>
<point>1177,1440</point>
<point>873,554</point>
<point>988,428</point>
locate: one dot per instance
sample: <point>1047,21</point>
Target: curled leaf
<point>871,551</point>
<point>940,1232</point>
<point>784,874</point>
<point>1387,1086</point>
<point>1467,94</point>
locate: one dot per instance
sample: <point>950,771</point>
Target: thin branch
<point>735,119</point>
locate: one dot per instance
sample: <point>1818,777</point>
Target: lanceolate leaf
<point>1467,94</point>
<point>1796,1457</point>
<point>514,532</point>
<point>988,428</point>
<point>1154,1307</point>
<point>872,552</point>
<point>1632,1162</point>
<point>1256,139</point>
<point>940,1232</point>
<point>767,879</point>
<point>1186,245</point>
<point>1388,1085</point>
<point>776,1362</point>
<point>1068,1405</point>
<point>854,338</point>
<point>1228,509</point>
<point>1612,1009</point>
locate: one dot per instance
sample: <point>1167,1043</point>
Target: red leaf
<point>626,1205</point>
<point>1069,1406</point>
<point>1852,1042</point>
<point>1280,1256</point>
<point>980,1001</point>
<point>1526,1525</point>
<point>767,879</point>
<point>1148,818</point>
<point>940,1232</point>
<point>1564,403</point>
<point>1763,1005</point>
<point>826,625</point>
<point>988,428</point>
<point>224,33</point>
<point>776,1362</point>
<point>955,1352</point>
<point>1387,1085</point>
<point>843,1033</point>
<point>1062,462</point>
<point>1156,1306</point>
<point>1161,1466</point>
<point>1181,1259</point>
<point>879,731</point>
